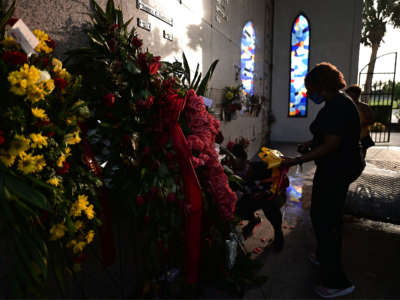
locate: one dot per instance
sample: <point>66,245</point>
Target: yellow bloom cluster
<point>72,138</point>
<point>40,114</point>
<point>78,246</point>
<point>57,231</point>
<point>59,70</point>
<point>29,163</point>
<point>63,157</point>
<point>43,38</point>
<point>18,145</point>
<point>9,42</point>
<point>6,158</point>
<point>38,140</point>
<point>54,181</point>
<point>82,205</point>
<point>26,81</point>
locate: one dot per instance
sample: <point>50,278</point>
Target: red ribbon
<point>191,188</point>
<point>106,234</point>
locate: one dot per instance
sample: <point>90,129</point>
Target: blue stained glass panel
<point>299,58</point>
<point>248,45</point>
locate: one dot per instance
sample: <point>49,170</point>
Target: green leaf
<point>195,79</point>
<point>110,10</point>
<point>186,68</point>
<point>7,16</point>
<point>204,83</point>
<point>195,86</point>
<point>26,192</point>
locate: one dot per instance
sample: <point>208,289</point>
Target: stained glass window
<point>248,45</point>
<point>299,58</point>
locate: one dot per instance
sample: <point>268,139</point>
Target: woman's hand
<point>289,162</point>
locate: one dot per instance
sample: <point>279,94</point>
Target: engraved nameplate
<point>143,24</point>
<point>154,12</point>
<point>168,36</point>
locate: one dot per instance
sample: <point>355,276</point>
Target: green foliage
<point>375,15</point>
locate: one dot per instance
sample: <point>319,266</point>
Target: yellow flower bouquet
<point>47,191</point>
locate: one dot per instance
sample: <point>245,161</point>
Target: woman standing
<point>336,150</point>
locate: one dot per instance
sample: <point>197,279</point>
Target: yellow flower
<point>76,246</point>
<point>57,64</point>
<point>55,181</point>
<point>18,145</point>
<point>43,38</point>
<point>6,158</point>
<point>23,79</point>
<point>63,157</point>
<point>79,205</point>
<point>59,70</point>
<point>72,138</point>
<point>57,231</point>
<point>229,95</point>
<point>70,120</point>
<point>78,224</point>
<point>9,42</point>
<point>31,164</point>
<point>40,114</point>
<point>38,140</point>
<point>90,212</point>
<point>90,236</point>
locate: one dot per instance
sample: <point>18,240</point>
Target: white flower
<point>44,76</point>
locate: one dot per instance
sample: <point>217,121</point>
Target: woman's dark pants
<point>328,200</point>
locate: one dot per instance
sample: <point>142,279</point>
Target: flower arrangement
<point>231,102</point>
<point>48,194</point>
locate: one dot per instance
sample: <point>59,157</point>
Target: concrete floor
<point>370,253</point>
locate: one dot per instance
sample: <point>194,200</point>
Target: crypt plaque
<point>154,12</point>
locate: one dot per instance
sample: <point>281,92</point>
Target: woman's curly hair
<point>325,76</point>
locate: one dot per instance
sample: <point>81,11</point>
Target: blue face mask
<point>316,98</point>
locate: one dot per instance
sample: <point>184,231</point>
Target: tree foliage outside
<point>376,15</point>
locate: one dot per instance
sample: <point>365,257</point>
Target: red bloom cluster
<point>2,139</point>
<point>60,83</point>
<point>149,63</point>
<point>136,42</point>
<point>204,129</point>
<point>15,57</point>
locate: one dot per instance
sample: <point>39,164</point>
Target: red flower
<point>154,192</point>
<point>153,68</point>
<point>136,42</point>
<point>2,139</point>
<point>230,145</point>
<point>12,21</point>
<point>147,219</point>
<point>109,99</point>
<point>51,43</point>
<point>145,64</point>
<point>60,83</point>
<point>15,57</point>
<point>111,45</point>
<point>139,200</point>
<point>115,26</point>
<point>171,198</point>
<point>155,165</point>
<point>51,133</point>
<point>80,258</point>
<point>170,156</point>
<point>146,150</point>
<point>64,169</point>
